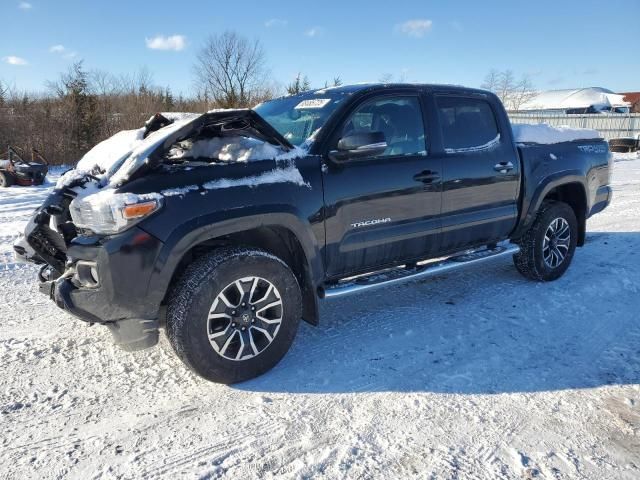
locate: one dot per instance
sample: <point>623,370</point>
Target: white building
<point>581,100</point>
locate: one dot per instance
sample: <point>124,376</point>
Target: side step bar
<point>404,274</point>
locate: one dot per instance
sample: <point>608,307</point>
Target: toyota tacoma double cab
<point>227,228</point>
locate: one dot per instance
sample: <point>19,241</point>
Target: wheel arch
<point>574,195</point>
<point>287,239</point>
<point>567,187</point>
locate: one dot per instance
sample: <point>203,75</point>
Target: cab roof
<point>368,87</point>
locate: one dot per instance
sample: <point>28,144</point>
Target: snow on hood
<point>546,134</point>
<point>229,149</point>
<point>235,149</point>
<point>114,160</point>
<point>108,155</point>
<point>143,149</point>
<point>105,154</point>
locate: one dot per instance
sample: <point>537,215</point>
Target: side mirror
<point>359,145</point>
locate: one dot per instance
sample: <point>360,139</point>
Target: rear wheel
<point>6,179</point>
<point>547,248</point>
<point>234,314</point>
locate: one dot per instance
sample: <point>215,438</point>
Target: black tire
<point>530,261</point>
<point>623,145</point>
<point>6,179</point>
<point>202,284</point>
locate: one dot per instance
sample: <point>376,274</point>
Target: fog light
<point>86,274</point>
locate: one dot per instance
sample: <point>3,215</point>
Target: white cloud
<point>314,32</point>
<point>416,28</point>
<point>161,42</point>
<point>13,60</point>
<point>62,50</point>
<point>275,22</point>
<point>25,6</point>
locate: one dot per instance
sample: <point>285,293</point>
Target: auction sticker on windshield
<point>312,103</point>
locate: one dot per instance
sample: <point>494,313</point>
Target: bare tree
<point>506,84</point>
<point>336,82</point>
<point>491,80</point>
<point>4,89</point>
<point>391,78</point>
<point>512,92</point>
<point>522,93</point>
<point>299,85</point>
<point>104,83</point>
<point>230,70</point>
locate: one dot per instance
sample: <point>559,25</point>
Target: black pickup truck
<point>227,228</point>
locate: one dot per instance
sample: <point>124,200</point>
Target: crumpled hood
<point>120,157</point>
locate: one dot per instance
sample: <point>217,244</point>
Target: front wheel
<point>234,314</point>
<point>547,248</point>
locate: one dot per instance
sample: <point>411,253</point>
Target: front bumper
<point>59,291</point>
<point>119,300</point>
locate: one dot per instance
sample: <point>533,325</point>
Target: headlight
<point>107,213</point>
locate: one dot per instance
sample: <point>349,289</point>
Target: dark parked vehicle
<point>369,183</point>
<point>14,170</point>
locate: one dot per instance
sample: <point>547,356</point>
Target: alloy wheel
<point>557,240</point>
<point>244,318</point>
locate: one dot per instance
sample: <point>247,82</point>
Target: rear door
<point>385,209</point>
<point>480,172</point>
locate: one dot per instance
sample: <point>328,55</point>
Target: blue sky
<point>560,44</point>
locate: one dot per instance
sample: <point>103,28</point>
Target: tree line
<point>83,107</point>
<point>80,109</point>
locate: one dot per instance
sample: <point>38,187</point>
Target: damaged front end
<point>76,270</point>
<point>96,261</point>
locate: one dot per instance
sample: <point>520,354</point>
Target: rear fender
<point>547,185</point>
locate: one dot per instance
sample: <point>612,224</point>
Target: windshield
<point>297,118</point>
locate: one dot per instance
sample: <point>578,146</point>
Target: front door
<point>383,210</point>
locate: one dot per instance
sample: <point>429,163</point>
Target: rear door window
<point>467,124</point>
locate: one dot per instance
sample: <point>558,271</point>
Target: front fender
<point>219,224</point>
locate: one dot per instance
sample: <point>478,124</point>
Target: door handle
<point>503,167</point>
<point>426,176</point>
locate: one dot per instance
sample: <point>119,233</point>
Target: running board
<point>404,274</point>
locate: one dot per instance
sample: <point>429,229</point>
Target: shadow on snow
<point>485,330</point>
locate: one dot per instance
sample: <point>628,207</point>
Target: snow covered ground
<point>477,374</point>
